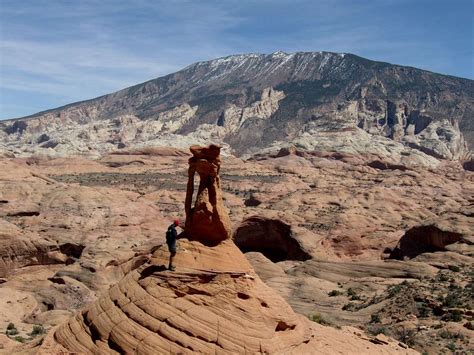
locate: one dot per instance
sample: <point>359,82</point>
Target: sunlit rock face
<point>213,302</point>
<point>208,220</point>
<point>251,102</point>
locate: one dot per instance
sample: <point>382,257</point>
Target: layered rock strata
<point>208,221</point>
<point>252,102</point>
<point>213,303</point>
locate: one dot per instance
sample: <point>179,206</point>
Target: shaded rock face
<point>468,165</point>
<point>252,202</point>
<point>423,239</point>
<point>271,237</point>
<point>208,221</point>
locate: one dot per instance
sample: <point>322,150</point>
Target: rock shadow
<point>423,239</point>
<point>271,237</point>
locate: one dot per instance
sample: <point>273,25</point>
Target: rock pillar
<point>208,221</point>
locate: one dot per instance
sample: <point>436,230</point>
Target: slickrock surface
<point>349,213</point>
<point>19,251</point>
<point>213,303</point>
<point>60,244</point>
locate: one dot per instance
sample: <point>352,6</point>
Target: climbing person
<point>171,237</point>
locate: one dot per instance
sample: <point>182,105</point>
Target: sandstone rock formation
<point>17,250</point>
<point>347,210</point>
<point>208,221</point>
<point>423,239</point>
<point>213,303</point>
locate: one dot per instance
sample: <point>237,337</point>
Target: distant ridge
<point>255,101</point>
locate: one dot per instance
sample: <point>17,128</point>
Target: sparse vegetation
<point>19,339</point>
<point>374,318</point>
<point>394,290</point>
<point>454,268</point>
<point>378,330</point>
<point>318,318</point>
<point>335,293</point>
<point>453,316</point>
<point>11,330</point>
<point>37,330</point>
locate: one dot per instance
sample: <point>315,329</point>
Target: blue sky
<point>54,52</point>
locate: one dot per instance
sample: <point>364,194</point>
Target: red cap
<point>176,222</point>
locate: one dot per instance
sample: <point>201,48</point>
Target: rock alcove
<point>423,239</point>
<point>271,237</point>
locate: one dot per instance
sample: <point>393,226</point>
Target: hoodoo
<point>208,221</point>
<point>213,303</point>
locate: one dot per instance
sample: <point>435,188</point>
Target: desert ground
<point>359,246</point>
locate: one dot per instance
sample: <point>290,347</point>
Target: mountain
<point>255,102</point>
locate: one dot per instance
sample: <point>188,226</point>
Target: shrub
<point>348,307</point>
<point>446,334</point>
<point>442,277</point>
<point>405,335</point>
<point>374,318</point>
<point>318,318</point>
<point>351,292</point>
<point>454,268</point>
<point>453,316</point>
<point>393,290</point>
<point>451,300</point>
<point>20,339</point>
<point>451,346</point>
<point>334,293</point>
<point>424,311</point>
<point>13,331</point>
<point>378,330</point>
<point>37,330</point>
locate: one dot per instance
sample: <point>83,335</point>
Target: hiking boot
<point>171,268</point>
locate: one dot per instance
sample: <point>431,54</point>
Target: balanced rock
<point>208,221</point>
